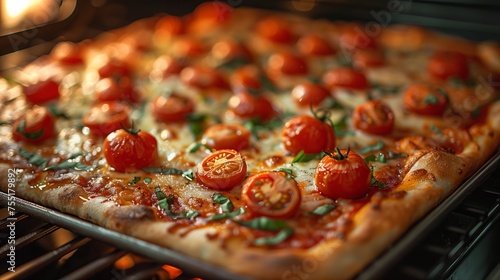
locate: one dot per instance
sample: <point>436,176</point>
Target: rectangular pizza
<point>267,144</point>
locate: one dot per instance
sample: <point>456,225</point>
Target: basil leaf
<point>5,123</point>
<point>281,236</point>
<point>29,135</point>
<point>323,209</point>
<point>193,148</point>
<point>227,215</point>
<point>303,157</point>
<point>234,63</point>
<point>287,171</point>
<point>376,182</point>
<point>379,145</point>
<point>393,155</point>
<point>33,158</point>
<point>195,124</point>
<point>379,158</point>
<point>188,174</point>
<point>165,203</point>
<point>69,165</point>
<point>225,203</point>
<point>56,112</point>
<point>264,223</point>
<point>163,170</point>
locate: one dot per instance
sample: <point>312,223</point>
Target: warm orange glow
<point>173,272</point>
<point>125,262</point>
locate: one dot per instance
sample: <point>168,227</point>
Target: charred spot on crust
<point>71,194</point>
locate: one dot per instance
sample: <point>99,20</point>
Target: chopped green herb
<point>376,182</point>
<point>287,171</point>
<point>21,129</point>
<point>193,148</point>
<point>227,215</point>
<point>281,236</point>
<point>67,164</point>
<point>377,158</point>
<point>147,180</point>
<point>188,174</point>
<point>5,123</point>
<point>56,112</point>
<point>134,181</point>
<point>323,209</point>
<point>195,124</point>
<point>393,155</point>
<point>233,63</point>
<point>166,202</point>
<point>431,99</point>
<point>303,157</point>
<point>225,203</point>
<point>372,148</point>
<point>436,130</point>
<point>264,223</point>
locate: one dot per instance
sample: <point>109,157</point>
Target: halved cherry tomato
<point>226,136</point>
<point>300,132</point>
<point>271,194</point>
<point>354,38</point>
<point>109,89</point>
<point>374,117</point>
<point>287,63</point>
<point>246,78</point>
<point>67,53</point>
<point>444,65</point>
<point>425,100</point>
<point>342,174</point>
<point>246,105</point>
<point>307,94</point>
<point>114,68</point>
<point>172,108</point>
<point>345,78</point>
<point>130,149</point>
<point>222,170</point>
<point>169,26</point>
<point>275,30</point>
<point>42,92</point>
<point>367,58</point>
<point>165,66</point>
<point>203,78</point>
<point>104,118</point>
<point>315,45</point>
<point>35,126</point>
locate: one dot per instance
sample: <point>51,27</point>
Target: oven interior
<point>458,240</point>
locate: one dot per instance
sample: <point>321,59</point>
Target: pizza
<point>265,143</point>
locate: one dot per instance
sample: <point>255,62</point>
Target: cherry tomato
<point>214,11</point>
<point>42,92</point>
<point>228,50</point>
<point>271,194</point>
<point>287,63</point>
<point>367,58</point>
<point>308,134</point>
<point>104,118</point>
<point>373,117</point>
<point>114,68</point>
<point>315,45</point>
<point>130,149</point>
<point>343,174</point>
<point>203,78</point>
<point>345,78</point>
<point>454,139</point>
<point>355,38</point>
<point>188,47</point>
<point>222,170</point>
<point>307,94</point>
<point>109,89</point>
<point>246,78</point>
<point>67,53</point>
<point>275,30</point>
<point>165,66</point>
<point>246,105</point>
<point>172,108</point>
<point>169,26</point>
<point>444,65</point>
<point>226,136</point>
<point>425,100</point>
<point>35,126</point>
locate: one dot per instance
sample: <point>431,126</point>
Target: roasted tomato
<point>367,58</point>
<point>67,53</point>
<point>246,78</point>
<point>130,149</point>
<point>246,105</point>
<point>354,38</point>
<point>343,174</point>
<point>172,108</point>
<point>315,45</point>
<point>444,65</point>
<point>165,66</point>
<point>222,170</point>
<point>453,139</point>
<point>35,126</point>
<point>203,78</point>
<point>345,78</point>
<point>114,68</point>
<point>275,30</point>
<point>109,89</point>
<point>226,136</point>
<point>426,100</point>
<point>374,117</point>
<point>287,64</point>
<point>104,118</point>
<point>42,92</point>
<point>301,131</point>
<point>307,94</point>
<point>271,194</point>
